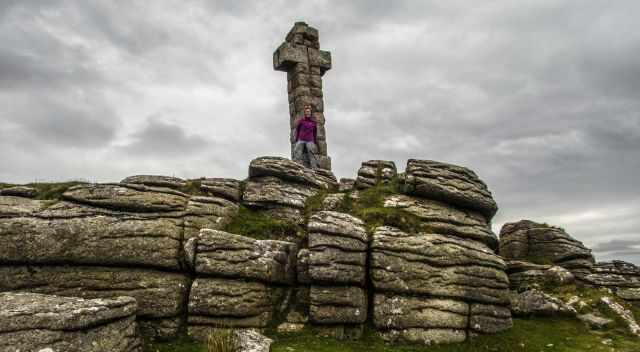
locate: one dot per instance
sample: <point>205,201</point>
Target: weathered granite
<point>270,191</point>
<point>337,248</point>
<point>525,275</point>
<point>155,181</point>
<point>615,274</point>
<point>623,314</point>
<point>231,303</point>
<point>337,305</point>
<point>37,232</point>
<point>288,170</point>
<point>448,183</point>
<point>373,172</point>
<point>19,191</point>
<point>228,255</point>
<point>536,302</point>
<point>158,294</point>
<point>333,201</point>
<point>207,213</point>
<point>446,219</point>
<point>397,312</point>
<point>594,321</point>
<point>436,265</point>
<point>489,319</point>
<point>530,241</point>
<point>129,197</point>
<point>227,188</point>
<point>35,322</point>
<point>346,184</point>
<point>252,341</point>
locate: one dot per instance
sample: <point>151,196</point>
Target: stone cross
<point>300,56</point>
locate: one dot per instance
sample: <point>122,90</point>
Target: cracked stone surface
<point>35,322</point>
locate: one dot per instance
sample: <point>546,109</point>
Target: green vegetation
<point>222,340</point>
<point>253,224</point>
<point>52,191</point>
<point>182,344</point>
<point>192,187</point>
<point>369,206</point>
<point>538,260</point>
<point>527,335</point>
<point>47,190</point>
<point>314,203</point>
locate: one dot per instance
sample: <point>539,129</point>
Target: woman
<point>305,139</point>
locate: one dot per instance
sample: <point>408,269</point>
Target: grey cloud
<point>160,139</point>
<point>617,245</point>
<point>61,122</point>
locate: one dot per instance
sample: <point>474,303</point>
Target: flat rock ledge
<point>452,184</point>
<point>36,322</point>
<point>373,172</point>
<point>531,241</point>
<point>433,288</point>
<point>155,181</point>
<point>622,277</point>
<point>222,254</point>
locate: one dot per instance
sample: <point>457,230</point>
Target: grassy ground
<point>534,335</point>
<point>47,190</point>
<point>253,224</point>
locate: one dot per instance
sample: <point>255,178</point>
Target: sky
<point>540,98</point>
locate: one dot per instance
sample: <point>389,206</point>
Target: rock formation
<point>238,280</point>
<point>280,187</point>
<point>620,276</point>
<point>35,322</point>
<point>525,275</point>
<point>305,64</point>
<point>373,172</point>
<point>543,244</point>
<point>163,242</point>
<point>107,240</point>
<point>444,283</point>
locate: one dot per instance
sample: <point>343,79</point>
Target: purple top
<point>306,130</point>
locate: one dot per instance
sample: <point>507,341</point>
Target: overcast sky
<point>540,98</point>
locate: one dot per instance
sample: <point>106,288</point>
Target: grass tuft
<point>253,224</point>
<point>52,191</point>
<point>192,187</point>
<point>222,340</point>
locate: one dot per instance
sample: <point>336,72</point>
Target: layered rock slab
<point>445,219</point>
<point>35,322</point>
<point>128,197</point>
<point>289,170</point>
<point>280,187</point>
<point>224,254</point>
<point>35,232</point>
<point>373,172</point>
<point>449,183</point>
<point>530,241</point>
<point>620,276</point>
<point>158,294</point>
<point>227,188</point>
<point>215,303</point>
<point>436,265</point>
<point>155,181</point>
<point>524,275</point>
<point>420,320</point>
<point>337,305</point>
<point>207,213</point>
<point>338,245</point>
<point>434,288</point>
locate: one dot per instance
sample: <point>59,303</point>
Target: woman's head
<point>307,110</point>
